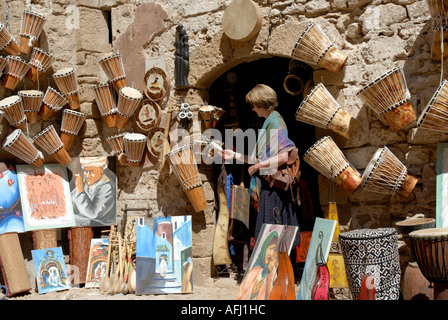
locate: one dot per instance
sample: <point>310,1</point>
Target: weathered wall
<point>376,35</point>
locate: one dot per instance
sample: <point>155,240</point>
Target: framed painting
<point>93,188</point>
<point>51,273</point>
<point>45,197</point>
<point>442,186</point>
<point>261,270</point>
<point>321,238</point>
<point>11,215</point>
<point>164,255</point>
<point>97,264</point>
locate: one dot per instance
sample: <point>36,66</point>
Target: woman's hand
<point>253,169</point>
<point>228,154</point>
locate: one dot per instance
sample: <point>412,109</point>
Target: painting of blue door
<point>164,255</point>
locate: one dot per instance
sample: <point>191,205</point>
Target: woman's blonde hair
<point>262,96</point>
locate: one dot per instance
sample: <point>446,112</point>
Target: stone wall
<point>376,35</point>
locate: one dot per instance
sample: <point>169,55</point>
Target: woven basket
<point>13,265</point>
<point>44,239</point>
<point>79,243</point>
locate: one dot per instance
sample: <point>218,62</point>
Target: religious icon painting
<point>164,255</point>
<point>93,189</point>
<point>97,264</point>
<point>51,273</point>
<point>11,216</point>
<point>261,271</point>
<point>45,197</point>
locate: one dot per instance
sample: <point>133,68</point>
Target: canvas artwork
<point>321,237</point>
<point>97,262</point>
<point>93,188</point>
<point>11,216</point>
<point>45,197</point>
<point>164,255</point>
<point>442,186</point>
<point>261,271</point>
<point>51,273</point>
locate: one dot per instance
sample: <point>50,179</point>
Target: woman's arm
<point>275,161</point>
<point>230,154</point>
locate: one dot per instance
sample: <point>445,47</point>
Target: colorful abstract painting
<point>442,186</point>
<point>93,188</point>
<point>51,273</point>
<point>164,255</point>
<point>261,271</point>
<point>97,262</point>
<point>11,216</point>
<point>45,197</point>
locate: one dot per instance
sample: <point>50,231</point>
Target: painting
<point>11,215</point>
<point>321,237</point>
<point>261,270</point>
<point>442,186</point>
<point>93,188</point>
<point>45,197</point>
<point>51,273</point>
<point>164,255</point>
<point>97,265</point>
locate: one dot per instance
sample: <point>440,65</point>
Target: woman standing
<point>274,205</point>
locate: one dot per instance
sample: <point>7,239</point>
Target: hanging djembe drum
<point>134,145</point>
<point>389,97</point>
<point>12,264</point>
<point>12,106</point>
<point>52,102</point>
<point>217,114</point>
<point>117,144</point>
<point>21,146</point>
<point>79,244</point>
<point>185,169</point>
<point>66,81</point>
<point>386,174</point>
<point>326,157</point>
<point>7,41</point>
<point>439,26</point>
<point>3,65</point>
<point>31,27</point>
<point>72,122</point>
<point>16,70</point>
<point>435,115</point>
<point>32,102</point>
<point>314,47</point>
<point>128,101</point>
<point>49,140</point>
<point>105,100</point>
<point>206,114</point>
<point>40,62</point>
<point>320,109</point>
<point>114,69</point>
<point>45,239</point>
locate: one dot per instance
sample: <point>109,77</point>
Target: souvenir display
<point>134,146</point>
<point>40,62</point>
<point>116,142</point>
<point>31,26</point>
<point>21,146</point>
<point>128,101</point>
<point>51,272</point>
<point>66,81</point>
<point>72,122</point>
<point>114,69</point>
<point>49,140</point>
<point>32,102</point>
<point>17,69</point>
<point>52,102</point>
<point>12,107</point>
<point>7,41</point>
<point>105,100</point>
<point>435,115</point>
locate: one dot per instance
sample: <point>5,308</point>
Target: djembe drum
<point>128,101</point>
<point>134,146</point>
<point>117,144</point>
<point>217,114</point>
<point>40,62</point>
<point>388,96</point>
<point>52,102</point>
<point>206,113</point>
<point>50,142</point>
<point>13,265</point>
<point>31,27</point>
<point>3,65</point>
<point>21,146</point>
<point>72,122</point>
<point>374,252</point>
<point>45,239</point>
<point>430,249</point>
<point>66,81</point>
<point>7,41</point>
<point>314,47</point>
<point>114,69</point>
<point>185,169</point>
<point>79,244</point>
<point>105,100</point>
<point>435,115</point>
<point>439,26</point>
<point>386,174</point>
<point>326,157</point>
<point>12,106</point>
<point>320,109</point>
<point>32,102</point>
<point>16,70</point>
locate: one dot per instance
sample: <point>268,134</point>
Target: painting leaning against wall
<point>11,216</point>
